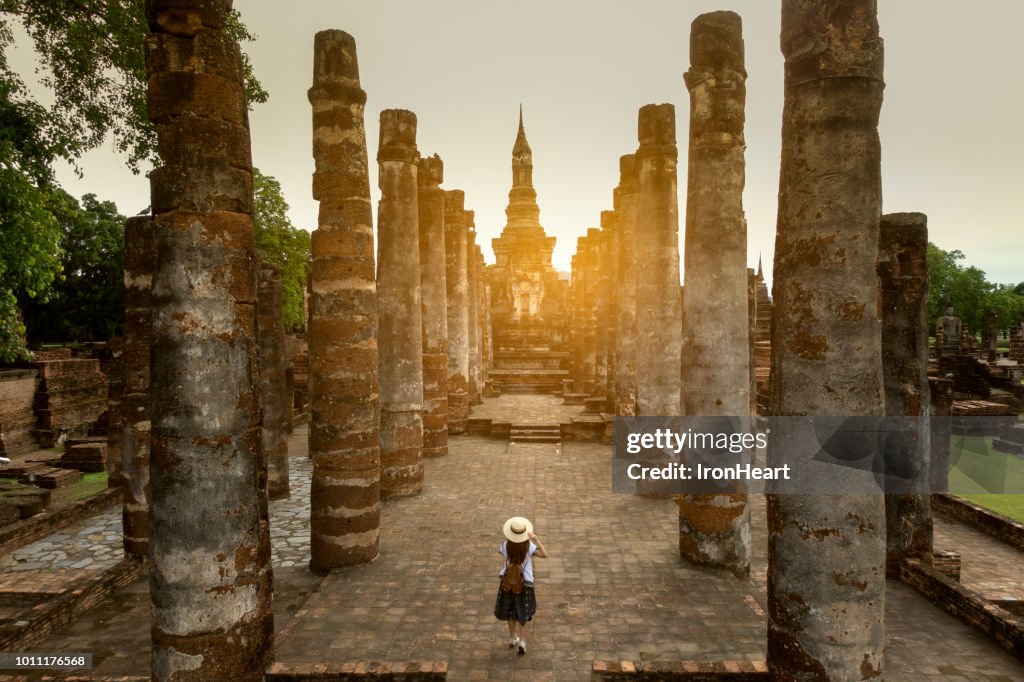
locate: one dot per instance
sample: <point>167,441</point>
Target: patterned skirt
<point>519,607</point>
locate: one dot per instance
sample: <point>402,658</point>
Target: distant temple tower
<point>529,300</point>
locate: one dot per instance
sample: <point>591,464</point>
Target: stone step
<point>536,439</point>
<point>51,478</point>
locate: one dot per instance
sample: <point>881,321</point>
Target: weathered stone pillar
<point>628,268</point>
<point>139,263</point>
<point>473,289</point>
<point>482,317</point>
<point>209,574</point>
<point>344,436</point>
<point>457,287</point>
<point>399,308</point>
<point>903,273</point>
<point>714,529</point>
<point>273,396</point>
<point>608,298</point>
<point>940,434</point>
<point>588,278</point>
<point>576,334</point>
<point>826,554</point>
<point>658,307</point>
<point>435,309</point>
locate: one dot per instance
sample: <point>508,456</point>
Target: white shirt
<point>527,565</point>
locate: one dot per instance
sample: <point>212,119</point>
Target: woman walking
<point>516,602</point>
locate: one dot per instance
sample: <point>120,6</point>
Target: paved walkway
<point>613,588</point>
<point>518,408</point>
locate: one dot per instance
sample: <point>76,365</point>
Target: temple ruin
<point>326,506</point>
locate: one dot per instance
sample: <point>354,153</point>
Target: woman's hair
<point>517,551</point>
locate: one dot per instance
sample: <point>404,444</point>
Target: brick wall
<point>17,392</point>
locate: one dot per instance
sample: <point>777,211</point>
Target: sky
<point>952,139</point>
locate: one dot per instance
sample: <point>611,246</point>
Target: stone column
<point>273,395</point>
<point>399,308</point>
<point>457,287</point>
<point>903,274</point>
<point>434,313</point>
<point>600,305</point>
<point>576,335</point>
<point>209,545</point>
<point>482,317</point>
<point>344,399</point>
<point>826,554</point>
<point>609,296</point>
<point>628,269</point>
<point>714,529</point>
<point>473,279</point>
<point>590,298</point>
<point>658,307</point>
<point>139,263</point>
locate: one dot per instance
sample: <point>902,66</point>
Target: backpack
<point>513,580</point>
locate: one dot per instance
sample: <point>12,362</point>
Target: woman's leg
<point>511,627</point>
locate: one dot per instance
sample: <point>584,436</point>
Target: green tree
<point>91,59</point>
<point>970,291</point>
<point>87,301</point>
<point>29,232</point>
<point>284,245</point>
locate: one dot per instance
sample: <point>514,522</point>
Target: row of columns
<point>208,475</point>
<point>397,345</point>
<point>835,256</point>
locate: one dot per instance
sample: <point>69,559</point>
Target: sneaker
<point>522,647</point>
<point>513,642</point>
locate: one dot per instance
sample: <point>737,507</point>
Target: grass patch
<point>1007,505</point>
<point>987,477</point>
<point>89,485</point>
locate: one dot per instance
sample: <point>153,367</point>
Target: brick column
<point>457,287</point>
<point>628,269</point>
<point>826,554</point>
<point>273,396</point>
<point>344,436</point>
<point>399,307</point>
<point>659,310</point>
<point>903,274</point>
<point>714,529</point>
<point>435,309</point>
<point>209,573</point>
<point>139,263</point>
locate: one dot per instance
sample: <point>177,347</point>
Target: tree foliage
<point>971,293</point>
<point>91,59</point>
<point>284,245</point>
<point>86,302</point>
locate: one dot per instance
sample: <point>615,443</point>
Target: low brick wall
<point>966,604</point>
<point>409,671</point>
<point>17,418</point>
<point>987,521</point>
<point>62,608</point>
<point>72,394</point>
<point>702,671</point>
<point>39,526</point>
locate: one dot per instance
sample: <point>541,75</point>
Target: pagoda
<point>529,300</point>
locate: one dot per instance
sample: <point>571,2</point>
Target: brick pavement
<point>430,594</point>
<point>988,566</point>
<point>519,408</point>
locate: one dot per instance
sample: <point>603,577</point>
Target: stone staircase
<point>535,433</point>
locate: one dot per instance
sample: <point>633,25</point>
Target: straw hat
<point>517,529</point>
